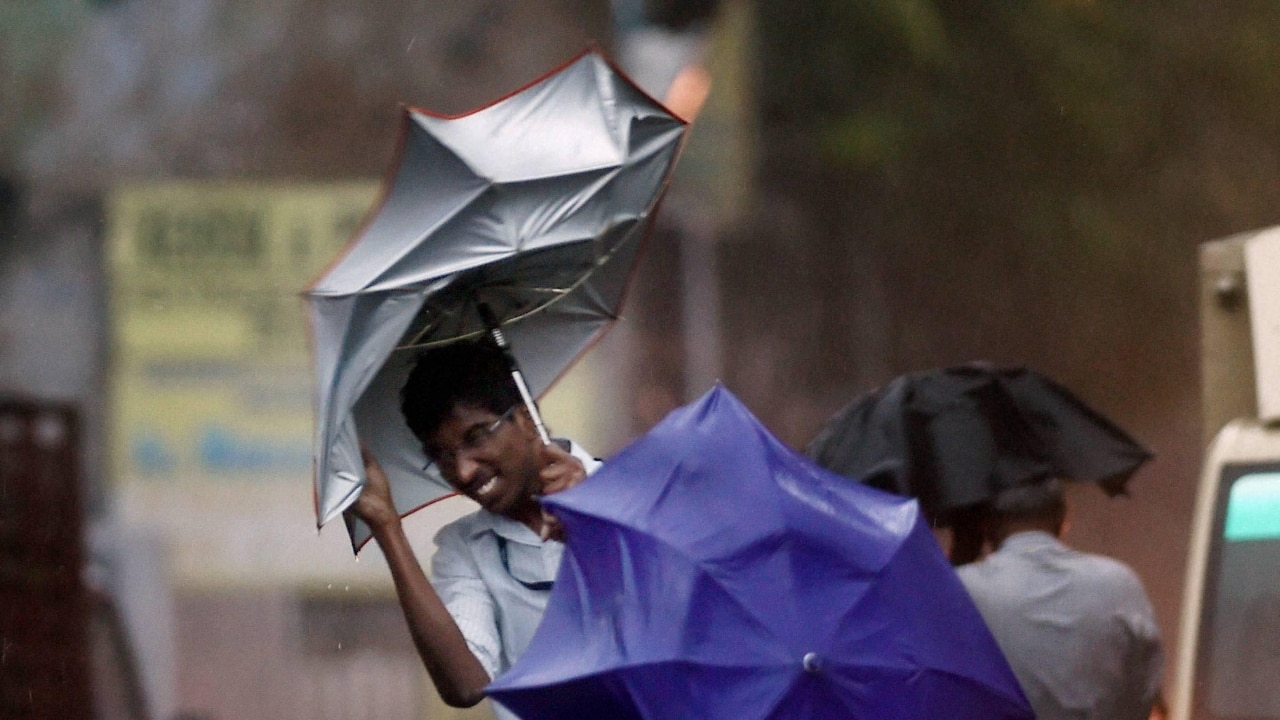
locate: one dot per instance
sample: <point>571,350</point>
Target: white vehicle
<point>1228,656</point>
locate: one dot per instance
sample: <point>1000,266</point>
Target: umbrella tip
<point>812,662</point>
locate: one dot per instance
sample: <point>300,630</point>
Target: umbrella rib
<point>556,293</point>
<point>559,294</point>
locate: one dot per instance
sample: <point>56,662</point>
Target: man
<point>492,569</point>
<point>1077,629</point>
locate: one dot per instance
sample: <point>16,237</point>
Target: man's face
<point>492,459</point>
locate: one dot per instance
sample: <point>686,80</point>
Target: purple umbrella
<point>711,572</point>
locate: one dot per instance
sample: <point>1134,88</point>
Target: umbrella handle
<point>529,405</point>
<point>495,333</point>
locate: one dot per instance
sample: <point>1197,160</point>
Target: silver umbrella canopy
<point>533,207</point>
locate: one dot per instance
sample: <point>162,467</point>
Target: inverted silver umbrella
<point>523,217</point>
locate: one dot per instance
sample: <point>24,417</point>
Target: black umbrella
<point>954,437</point>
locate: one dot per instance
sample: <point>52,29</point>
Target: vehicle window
<point>1241,625</point>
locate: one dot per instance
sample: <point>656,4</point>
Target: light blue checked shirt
<point>490,599</point>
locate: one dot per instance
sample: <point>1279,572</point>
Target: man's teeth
<point>487,486</point>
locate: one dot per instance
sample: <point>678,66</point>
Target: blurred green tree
<point>1024,182</point>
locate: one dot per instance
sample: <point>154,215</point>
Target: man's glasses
<point>474,439</point>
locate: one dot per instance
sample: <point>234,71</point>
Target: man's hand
<point>374,506</point>
<point>560,471</point>
<point>457,674</point>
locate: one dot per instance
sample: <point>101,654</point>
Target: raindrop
<point>50,432</point>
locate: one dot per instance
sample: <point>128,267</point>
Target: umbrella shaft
<point>525,395</point>
<point>500,339</point>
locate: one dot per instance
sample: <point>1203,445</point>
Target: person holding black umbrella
<point>1077,628</point>
<point>492,570</point>
<point>954,437</point>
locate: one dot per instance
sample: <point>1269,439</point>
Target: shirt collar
<point>488,522</point>
<point>1030,540</point>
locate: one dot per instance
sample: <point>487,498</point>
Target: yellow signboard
<point>210,370</point>
<point>210,381</point>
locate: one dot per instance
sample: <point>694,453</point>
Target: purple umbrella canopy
<point>712,572</point>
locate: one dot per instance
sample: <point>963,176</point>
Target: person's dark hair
<point>1042,499</point>
<point>472,373</point>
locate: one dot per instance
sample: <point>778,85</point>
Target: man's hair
<point>1041,499</point>
<point>471,372</point>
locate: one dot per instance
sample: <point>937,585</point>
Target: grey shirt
<point>1076,628</point>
